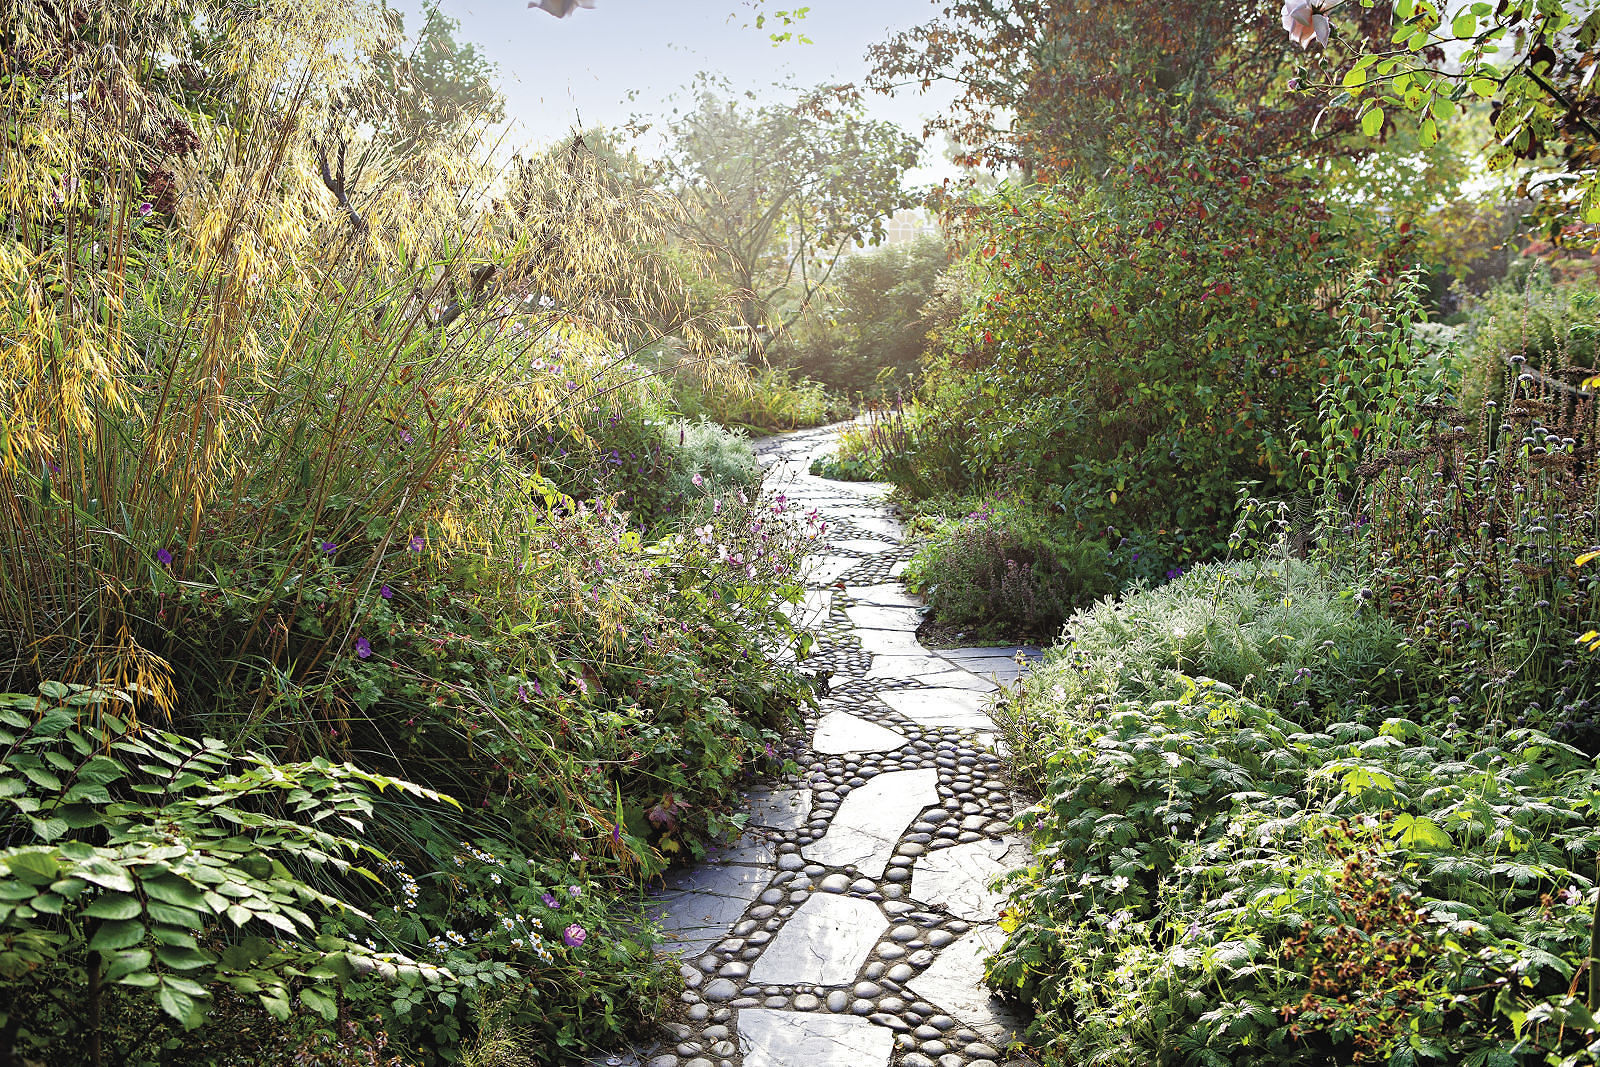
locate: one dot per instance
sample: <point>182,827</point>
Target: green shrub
<point>146,869</point>
<point>868,334</point>
<point>1001,571</point>
<point>1213,883</point>
<point>1140,347</point>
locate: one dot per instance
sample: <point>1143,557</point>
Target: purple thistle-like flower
<point>616,833</point>
<point>574,935</point>
<point>363,647</point>
<point>163,557</point>
<point>385,592</point>
<point>416,544</point>
<point>522,693</point>
<point>328,548</point>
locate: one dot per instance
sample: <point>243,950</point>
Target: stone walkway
<point>848,927</point>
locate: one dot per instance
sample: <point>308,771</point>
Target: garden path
<point>848,926</point>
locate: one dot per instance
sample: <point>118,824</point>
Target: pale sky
<point>635,57</point>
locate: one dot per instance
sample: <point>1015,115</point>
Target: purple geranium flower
<point>146,209</point>
<point>550,901</point>
<point>363,647</point>
<point>574,935</point>
<point>385,592</point>
<point>328,548</point>
<point>416,543</point>
<point>163,557</point>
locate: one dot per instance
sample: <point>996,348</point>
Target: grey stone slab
<point>700,904</point>
<point>960,709</point>
<point>871,819</point>
<point>908,666</point>
<point>954,982</point>
<point>957,878</point>
<point>781,809</point>
<point>788,1039</point>
<point>824,942</point>
<point>885,594</point>
<point>839,732</point>
<point>890,642</point>
<point>959,679</point>
<point>865,545</point>
<point>874,617</point>
<point>825,570</point>
<point>880,526</point>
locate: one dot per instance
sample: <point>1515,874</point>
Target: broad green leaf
<point>121,964</point>
<point>321,1003</point>
<point>181,1006</point>
<point>114,906</point>
<point>118,933</point>
<point>1372,121</point>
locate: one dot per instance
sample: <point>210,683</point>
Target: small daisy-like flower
<point>363,647</point>
<point>163,557</point>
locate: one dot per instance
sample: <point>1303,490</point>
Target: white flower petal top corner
<point>1304,22</point>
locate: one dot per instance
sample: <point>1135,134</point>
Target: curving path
<point>848,926</point>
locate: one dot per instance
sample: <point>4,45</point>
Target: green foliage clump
<point>1215,883</point>
<point>768,399</point>
<point>1278,630</point>
<point>1003,570</point>
<point>149,870</point>
<point>1138,348</point>
<point>868,334</point>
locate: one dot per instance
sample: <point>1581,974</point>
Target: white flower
<point>1304,23</point>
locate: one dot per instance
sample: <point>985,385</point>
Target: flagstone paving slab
<point>874,617</point>
<point>957,878</point>
<point>788,1039</point>
<point>888,594</point>
<point>780,809</point>
<point>954,982</point>
<point>889,642</point>
<point>839,732</point>
<point>701,903</point>
<point>872,818</point>
<point>825,942</point>
<point>907,666</point>
<point>958,709</point>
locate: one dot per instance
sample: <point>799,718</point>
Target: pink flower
<point>1304,23</point>
<point>574,935</point>
<point>697,480</point>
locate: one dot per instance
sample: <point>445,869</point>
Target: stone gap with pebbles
<point>848,927</point>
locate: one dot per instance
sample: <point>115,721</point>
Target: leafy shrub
<point>767,399</point>
<point>868,335</point>
<point>1001,571</point>
<point>155,866</point>
<point>1139,348</point>
<point>1277,629</point>
<point>1197,858</point>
